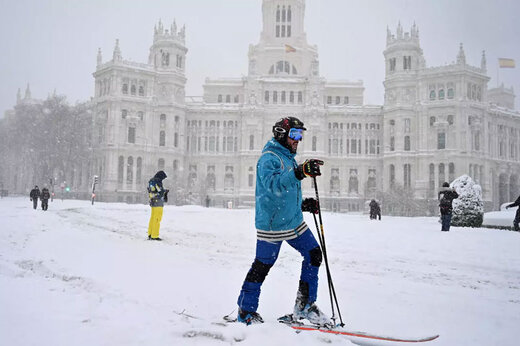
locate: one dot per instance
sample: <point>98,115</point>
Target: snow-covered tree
<point>468,209</point>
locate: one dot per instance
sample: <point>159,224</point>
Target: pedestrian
<point>157,195</point>
<point>375,210</point>
<point>45,195</point>
<point>207,201</point>
<point>278,217</point>
<point>34,195</point>
<point>517,216</point>
<point>446,197</point>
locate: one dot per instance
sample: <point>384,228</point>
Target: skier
<point>45,195</point>
<point>34,195</point>
<point>517,216</point>
<point>375,210</point>
<point>446,197</point>
<point>278,217</point>
<point>157,195</point>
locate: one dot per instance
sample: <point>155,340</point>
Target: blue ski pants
<point>266,255</point>
<point>446,222</point>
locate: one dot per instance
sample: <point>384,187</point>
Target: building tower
<point>404,60</point>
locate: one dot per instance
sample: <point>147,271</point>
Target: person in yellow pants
<point>158,196</point>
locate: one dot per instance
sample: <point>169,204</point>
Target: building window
<point>236,99</point>
<point>132,89</point>
<point>291,97</point>
<point>120,168</point>
<point>432,95</point>
<point>175,139</point>
<point>441,140</point>
<point>441,94</point>
<point>450,119</point>
<point>162,139</point>
<point>282,96</point>
<point>300,97</point>
<point>451,171</point>
<point>407,143</point>
<point>125,89</point>
<point>392,64</point>
<point>130,170</point>
<point>139,170</point>
<point>338,100</point>
<point>266,97</point>
<point>451,93</point>
<point>407,62</point>
<point>392,143</point>
<point>228,98</point>
<point>141,91</point>
<point>140,115</point>
<point>407,175</point>
<point>131,134</point>
<point>391,180</point>
<point>251,177</point>
<point>219,99</point>
<point>275,97</point>
<point>432,121</point>
<point>251,142</point>
<point>329,100</point>
<point>345,100</point>
<point>407,125</point>
<point>124,113</point>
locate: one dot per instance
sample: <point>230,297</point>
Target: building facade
<point>436,123</point>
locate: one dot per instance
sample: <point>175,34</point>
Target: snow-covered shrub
<point>468,209</point>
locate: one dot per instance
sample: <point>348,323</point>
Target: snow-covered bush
<point>468,209</point>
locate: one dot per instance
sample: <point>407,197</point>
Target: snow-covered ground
<point>86,275</point>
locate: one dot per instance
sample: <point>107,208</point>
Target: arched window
<point>139,170</point>
<point>282,96</point>
<point>141,90</point>
<point>251,142</point>
<point>176,139</point>
<point>451,171</point>
<point>407,175</point>
<point>441,94</point>
<point>291,97</point>
<point>162,117</point>
<point>125,89</point>
<point>451,93</point>
<point>132,89</point>
<point>392,143</point>
<point>120,168</point>
<point>219,99</point>
<point>275,96</point>
<point>129,170</point>
<point>442,177</point>
<point>300,97</point>
<point>432,95</point>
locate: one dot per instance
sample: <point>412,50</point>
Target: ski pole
<point>325,257</point>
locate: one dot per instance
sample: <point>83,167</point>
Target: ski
<point>298,325</point>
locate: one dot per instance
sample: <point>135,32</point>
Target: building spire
<point>27,92</point>
<point>461,57</point>
<point>99,57</point>
<point>117,52</point>
<point>18,96</point>
<point>483,63</point>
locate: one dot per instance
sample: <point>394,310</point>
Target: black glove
<point>166,196</point>
<point>311,205</point>
<point>310,168</point>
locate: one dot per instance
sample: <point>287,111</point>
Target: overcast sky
<point>52,44</point>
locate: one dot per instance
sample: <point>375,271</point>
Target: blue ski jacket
<point>278,192</point>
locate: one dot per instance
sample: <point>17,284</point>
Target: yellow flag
<point>289,49</point>
<point>507,63</point>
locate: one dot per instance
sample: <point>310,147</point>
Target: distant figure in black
<point>375,210</point>
<point>207,201</point>
<point>446,197</point>
<point>34,195</point>
<point>45,195</point>
<point>517,216</point>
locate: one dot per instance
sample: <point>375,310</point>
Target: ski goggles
<point>296,134</point>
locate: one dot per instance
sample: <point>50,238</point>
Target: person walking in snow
<point>446,197</point>
<point>157,195</point>
<point>375,210</point>
<point>45,195</point>
<point>516,221</point>
<point>34,195</point>
<point>278,217</point>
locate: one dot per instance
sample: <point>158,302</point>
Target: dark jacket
<point>515,204</point>
<point>374,207</point>
<point>446,197</point>
<point>45,195</point>
<point>35,193</point>
<point>156,190</point>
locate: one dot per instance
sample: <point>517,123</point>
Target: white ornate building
<point>436,124</point>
